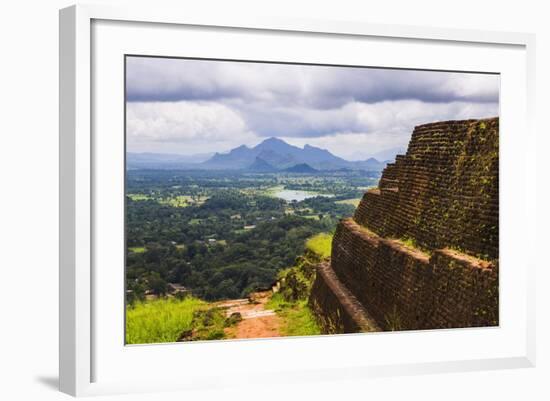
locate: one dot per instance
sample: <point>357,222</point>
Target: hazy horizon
<point>392,151</point>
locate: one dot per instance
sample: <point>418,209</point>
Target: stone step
<point>233,303</point>
<point>346,299</point>
<point>256,314</point>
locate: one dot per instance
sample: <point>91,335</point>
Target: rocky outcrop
<point>421,251</point>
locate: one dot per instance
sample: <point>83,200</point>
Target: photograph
<point>270,199</point>
<point>244,200</point>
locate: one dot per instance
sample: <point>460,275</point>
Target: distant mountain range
<point>164,160</point>
<point>271,155</point>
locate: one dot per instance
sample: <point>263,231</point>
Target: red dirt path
<point>257,322</point>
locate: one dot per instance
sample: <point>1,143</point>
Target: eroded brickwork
<point>338,309</point>
<point>422,249</point>
<point>443,192</point>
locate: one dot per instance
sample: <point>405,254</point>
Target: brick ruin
<point>421,251</point>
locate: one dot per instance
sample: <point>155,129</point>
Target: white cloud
<point>387,125</point>
<point>184,124</point>
<point>472,86</point>
<point>403,115</point>
<point>352,146</point>
<point>353,131</point>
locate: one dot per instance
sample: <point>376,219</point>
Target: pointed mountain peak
<point>273,140</point>
<point>240,149</point>
<point>303,168</point>
<point>275,144</point>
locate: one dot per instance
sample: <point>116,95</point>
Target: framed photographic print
<point>329,199</point>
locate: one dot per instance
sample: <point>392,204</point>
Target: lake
<point>292,195</point>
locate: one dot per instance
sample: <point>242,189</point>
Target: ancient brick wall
<point>337,309</point>
<point>443,192</point>
<point>422,249</point>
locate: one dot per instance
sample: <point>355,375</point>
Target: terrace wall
<point>421,251</point>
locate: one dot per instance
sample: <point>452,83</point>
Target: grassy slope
<point>160,320</point>
<point>163,320</point>
<point>296,316</point>
<point>354,202</point>
<point>293,309</point>
<point>321,244</point>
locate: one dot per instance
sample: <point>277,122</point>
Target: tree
<point>157,284</point>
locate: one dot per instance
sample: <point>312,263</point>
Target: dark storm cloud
<point>378,85</point>
<point>159,79</point>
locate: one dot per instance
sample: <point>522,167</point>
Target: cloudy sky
<point>200,106</point>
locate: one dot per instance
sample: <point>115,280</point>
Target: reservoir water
<point>290,195</point>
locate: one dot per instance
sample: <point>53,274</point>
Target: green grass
<point>311,216</point>
<point>410,242</point>
<point>321,244</point>
<point>183,200</point>
<point>271,191</point>
<point>160,320</point>
<point>297,319</point>
<point>137,249</point>
<point>354,202</point>
<point>393,320</point>
<point>174,201</point>
<point>139,197</point>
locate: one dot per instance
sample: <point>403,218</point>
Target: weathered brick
<point>442,196</point>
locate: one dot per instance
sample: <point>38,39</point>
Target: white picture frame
<point>81,347</point>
